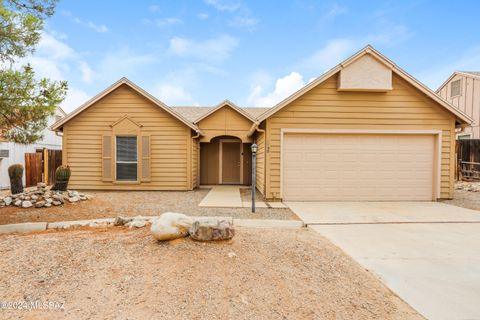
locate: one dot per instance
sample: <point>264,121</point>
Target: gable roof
<point>59,124</point>
<point>470,74</point>
<point>223,104</point>
<point>381,58</point>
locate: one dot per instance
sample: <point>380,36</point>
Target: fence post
<point>45,166</point>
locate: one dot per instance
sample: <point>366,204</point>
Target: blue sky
<point>254,53</point>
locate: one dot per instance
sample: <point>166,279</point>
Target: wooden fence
<point>40,166</point>
<point>468,159</point>
<point>33,168</point>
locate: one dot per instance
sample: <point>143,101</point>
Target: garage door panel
<point>357,167</point>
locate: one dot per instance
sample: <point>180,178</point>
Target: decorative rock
<point>56,203</point>
<point>121,221</point>
<point>7,200</point>
<point>18,203</point>
<point>58,198</point>
<point>74,199</point>
<point>47,205</point>
<point>49,200</point>
<point>34,197</point>
<point>171,225</point>
<point>212,229</point>
<point>26,204</point>
<point>136,223</point>
<point>40,204</point>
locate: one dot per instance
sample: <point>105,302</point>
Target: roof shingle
<point>193,113</point>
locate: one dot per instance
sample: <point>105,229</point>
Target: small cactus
<point>62,175</point>
<point>15,172</point>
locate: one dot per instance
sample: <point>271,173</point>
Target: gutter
<point>253,128</point>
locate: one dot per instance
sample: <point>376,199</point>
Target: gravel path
<point>122,274</point>
<point>132,203</point>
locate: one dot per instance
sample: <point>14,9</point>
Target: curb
<point>108,222</point>
<point>23,227</point>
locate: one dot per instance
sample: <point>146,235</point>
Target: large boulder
<point>212,229</point>
<point>171,225</point>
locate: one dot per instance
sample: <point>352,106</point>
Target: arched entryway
<point>225,160</point>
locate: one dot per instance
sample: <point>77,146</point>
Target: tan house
<point>462,90</point>
<point>365,130</point>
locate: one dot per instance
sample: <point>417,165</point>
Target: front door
<point>230,162</point>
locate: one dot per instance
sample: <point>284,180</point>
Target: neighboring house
<point>462,90</point>
<point>11,152</point>
<point>365,130</point>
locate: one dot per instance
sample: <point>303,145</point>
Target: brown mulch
<point>132,203</point>
<point>259,274</point>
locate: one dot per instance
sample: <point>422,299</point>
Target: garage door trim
<point>436,133</point>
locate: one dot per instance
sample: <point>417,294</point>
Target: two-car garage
<point>360,166</point>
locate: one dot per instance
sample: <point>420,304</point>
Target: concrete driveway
<point>426,252</point>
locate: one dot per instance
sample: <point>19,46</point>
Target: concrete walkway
<point>426,252</point>
<point>223,197</point>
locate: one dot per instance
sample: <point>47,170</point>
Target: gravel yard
<point>124,274</point>
<point>132,203</point>
<point>465,199</point>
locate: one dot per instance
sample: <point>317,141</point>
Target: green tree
<point>26,102</point>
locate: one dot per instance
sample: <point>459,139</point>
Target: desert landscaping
<point>260,273</point>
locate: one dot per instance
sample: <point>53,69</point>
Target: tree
<point>26,102</point>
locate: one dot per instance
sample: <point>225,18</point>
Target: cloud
<point>75,98</point>
<point>123,61</point>
<point>336,50</point>
<point>336,10</point>
<point>101,28</point>
<point>168,21</point>
<point>216,49</point>
<point>86,72</point>
<point>329,55</point>
<point>54,59</point>
<point>154,8</point>
<point>224,5</point>
<point>173,94</point>
<point>243,22</point>
<point>284,87</point>
<point>202,16</point>
<point>434,76</point>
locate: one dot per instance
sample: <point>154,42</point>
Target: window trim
<point>116,180</point>
<point>468,135</point>
<point>459,88</point>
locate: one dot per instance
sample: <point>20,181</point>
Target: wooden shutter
<point>107,151</point>
<point>146,163</point>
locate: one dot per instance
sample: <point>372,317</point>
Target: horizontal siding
<point>260,169</point>
<point>225,121</point>
<point>195,159</point>
<point>324,107</point>
<point>169,143</point>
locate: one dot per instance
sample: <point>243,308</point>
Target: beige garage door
<point>347,167</point>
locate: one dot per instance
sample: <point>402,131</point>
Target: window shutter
<point>146,163</point>
<point>107,158</point>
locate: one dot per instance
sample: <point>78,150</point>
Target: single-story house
<point>364,130</point>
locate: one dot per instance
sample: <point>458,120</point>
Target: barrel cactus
<point>62,175</point>
<point>15,172</point>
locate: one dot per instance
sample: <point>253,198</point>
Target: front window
<point>127,158</point>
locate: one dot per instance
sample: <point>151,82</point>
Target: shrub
<point>15,172</point>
